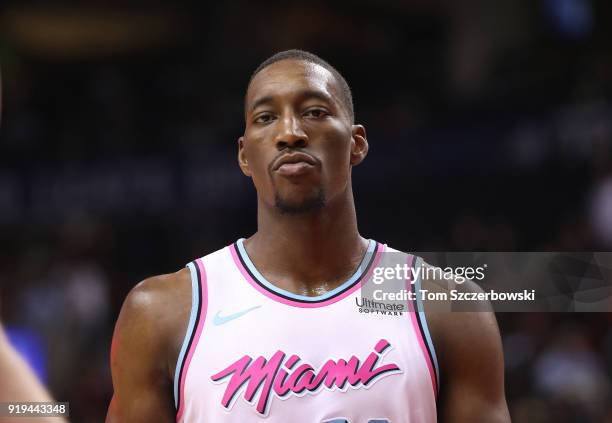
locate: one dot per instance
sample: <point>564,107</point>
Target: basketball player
<point>267,329</point>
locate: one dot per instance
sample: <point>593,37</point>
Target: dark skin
<point>307,238</point>
<point>297,109</point>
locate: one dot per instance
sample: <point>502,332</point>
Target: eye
<point>316,113</point>
<point>264,118</point>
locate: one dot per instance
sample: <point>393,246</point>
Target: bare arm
<point>18,382</point>
<point>473,370</point>
<point>470,356</point>
<point>144,348</point>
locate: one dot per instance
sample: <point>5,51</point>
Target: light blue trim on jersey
<point>423,319</point>
<point>195,302</point>
<point>272,287</point>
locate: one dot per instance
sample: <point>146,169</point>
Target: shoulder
<point>154,317</point>
<point>158,298</point>
<point>455,323</point>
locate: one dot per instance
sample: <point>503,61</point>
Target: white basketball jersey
<point>257,353</point>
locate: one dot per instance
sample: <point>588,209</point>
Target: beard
<point>307,205</point>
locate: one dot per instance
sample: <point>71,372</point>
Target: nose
<point>290,134</point>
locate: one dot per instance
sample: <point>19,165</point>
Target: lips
<point>294,164</point>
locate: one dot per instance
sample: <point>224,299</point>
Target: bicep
<point>473,390</point>
<point>142,389</point>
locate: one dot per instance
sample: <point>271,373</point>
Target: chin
<point>302,205</point>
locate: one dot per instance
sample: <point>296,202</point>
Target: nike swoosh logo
<point>220,320</point>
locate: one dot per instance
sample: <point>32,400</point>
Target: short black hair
<point>295,54</point>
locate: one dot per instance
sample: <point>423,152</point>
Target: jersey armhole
<point>422,329</point>
<point>194,328</point>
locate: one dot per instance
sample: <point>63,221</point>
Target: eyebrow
<point>260,101</point>
<point>303,95</point>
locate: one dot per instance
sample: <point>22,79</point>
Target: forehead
<point>287,77</point>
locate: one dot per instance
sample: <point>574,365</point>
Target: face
<point>299,143</point>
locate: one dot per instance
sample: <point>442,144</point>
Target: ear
<point>359,145</point>
<point>242,160</point>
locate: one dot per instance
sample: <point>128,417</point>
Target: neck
<point>308,254</point>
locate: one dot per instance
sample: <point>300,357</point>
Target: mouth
<point>293,164</point>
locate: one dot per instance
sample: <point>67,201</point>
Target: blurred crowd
<point>490,128</point>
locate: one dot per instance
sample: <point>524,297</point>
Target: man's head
<point>345,91</point>
<point>300,142</point>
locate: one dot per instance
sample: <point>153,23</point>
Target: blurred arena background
<point>490,125</point>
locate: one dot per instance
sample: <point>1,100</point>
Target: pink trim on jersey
<point>417,331</point>
<point>380,248</point>
<point>196,338</point>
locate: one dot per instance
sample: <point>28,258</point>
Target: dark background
<point>489,124</point>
